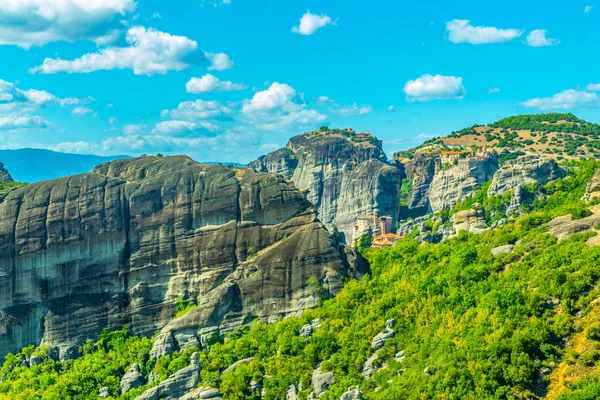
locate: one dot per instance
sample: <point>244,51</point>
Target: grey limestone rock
<point>507,248</point>
<point>524,171</point>
<point>321,381</point>
<point>353,393</point>
<point>104,393</point>
<point>132,379</point>
<point>118,246</point>
<point>343,179</point>
<point>177,385</point>
<point>4,175</point>
<point>380,339</point>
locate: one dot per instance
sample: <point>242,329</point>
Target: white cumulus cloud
<point>494,90</point>
<point>280,107</point>
<point>149,52</point>
<point>593,87</point>
<point>434,87</point>
<point>538,38</point>
<point>17,122</point>
<point>27,23</point>
<point>588,9</point>
<point>82,111</point>
<point>134,129</point>
<point>209,83</point>
<point>199,110</point>
<point>461,31</point>
<point>218,61</point>
<point>310,23</point>
<point>565,100</point>
<point>176,128</point>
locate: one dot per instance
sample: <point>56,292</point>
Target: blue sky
<point>229,80</point>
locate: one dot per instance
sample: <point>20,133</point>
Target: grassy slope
<point>554,135</point>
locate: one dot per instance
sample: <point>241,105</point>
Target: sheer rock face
<point>524,171</point>
<point>4,175</point>
<point>449,186</point>
<point>420,169</point>
<point>119,245</point>
<point>593,187</point>
<point>280,162</point>
<point>344,179</point>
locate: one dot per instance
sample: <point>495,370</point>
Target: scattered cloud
<point>215,3</point>
<point>18,122</point>
<point>537,38</point>
<point>80,110</point>
<point>434,87</point>
<point>218,61</point>
<point>134,129</point>
<point>494,90</point>
<point>588,9</point>
<point>310,23</point>
<point>209,84</point>
<point>28,23</point>
<point>279,107</point>
<point>199,110</point>
<point>323,100</point>
<point>18,107</point>
<point>593,87</point>
<point>183,128</point>
<point>461,31</point>
<point>565,100</point>
<point>149,52</point>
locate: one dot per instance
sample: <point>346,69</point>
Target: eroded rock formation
<point>454,184</point>
<point>4,175</point>
<point>524,171</point>
<point>344,178</point>
<point>120,245</point>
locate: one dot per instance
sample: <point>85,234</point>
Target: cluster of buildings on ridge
<point>379,228</point>
<point>449,157</point>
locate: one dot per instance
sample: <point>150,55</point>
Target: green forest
<point>483,327</point>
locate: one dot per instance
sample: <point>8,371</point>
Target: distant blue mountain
<point>33,165</point>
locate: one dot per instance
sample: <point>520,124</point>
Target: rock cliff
<point>118,246</point>
<point>4,175</point>
<point>524,171</point>
<point>344,178</point>
<point>420,169</point>
<point>454,184</point>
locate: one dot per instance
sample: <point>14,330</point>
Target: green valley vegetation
<point>471,325</point>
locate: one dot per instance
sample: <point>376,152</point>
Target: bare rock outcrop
<point>420,169</point>
<point>344,178</point>
<point>177,385</point>
<point>382,337</point>
<point>321,381</point>
<point>507,248</point>
<point>459,182</point>
<point>353,393</point>
<point>132,379</point>
<point>4,175</point>
<point>471,220</point>
<point>120,245</point>
<point>524,171</point>
<point>593,187</point>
